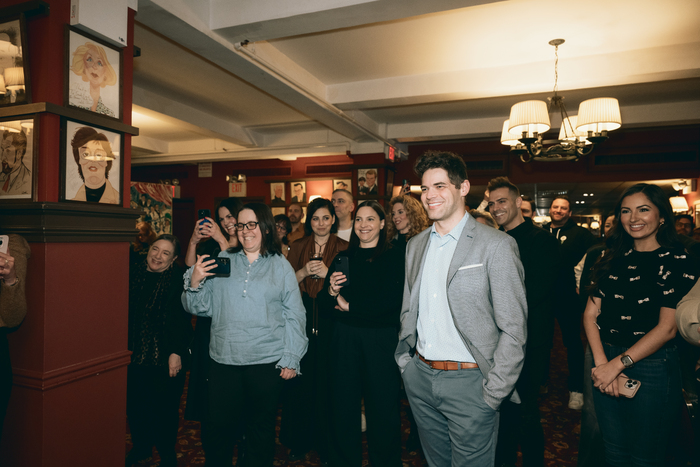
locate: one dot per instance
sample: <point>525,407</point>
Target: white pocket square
<point>470,266</point>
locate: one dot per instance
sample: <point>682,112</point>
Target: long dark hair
<point>271,244</point>
<point>620,242</point>
<point>315,205</point>
<point>234,206</point>
<point>382,244</point>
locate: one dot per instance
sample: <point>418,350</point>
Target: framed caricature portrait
<point>367,183</point>
<point>93,74</point>
<point>298,190</point>
<point>280,210</point>
<point>14,67</point>
<point>277,195</point>
<point>17,156</point>
<point>342,184</point>
<point>91,164</point>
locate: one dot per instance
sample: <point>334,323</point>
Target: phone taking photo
<point>4,243</point>
<point>223,266</point>
<point>203,214</point>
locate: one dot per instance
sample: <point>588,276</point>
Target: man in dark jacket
<point>574,241</point>
<point>539,252</point>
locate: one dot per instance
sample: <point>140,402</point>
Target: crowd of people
<point>336,314</point>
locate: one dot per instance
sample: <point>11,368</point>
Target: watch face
<point>627,361</point>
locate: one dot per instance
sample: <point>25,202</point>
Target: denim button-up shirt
<point>257,313</point>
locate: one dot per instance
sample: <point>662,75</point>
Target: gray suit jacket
<point>486,296</point>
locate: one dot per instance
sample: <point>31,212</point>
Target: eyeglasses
<point>249,226</point>
<point>281,227</point>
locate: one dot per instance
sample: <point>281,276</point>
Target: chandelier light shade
<point>568,131</point>
<point>531,117</point>
<point>679,204</point>
<point>508,138</point>
<point>599,115</point>
<point>14,76</point>
<point>578,135</point>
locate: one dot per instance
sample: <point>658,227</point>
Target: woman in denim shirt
<point>257,335</point>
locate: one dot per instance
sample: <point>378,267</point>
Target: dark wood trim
<point>31,8</point>
<point>43,381</point>
<point>69,222</point>
<point>71,112</point>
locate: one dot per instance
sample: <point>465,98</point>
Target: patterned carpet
<point>561,428</point>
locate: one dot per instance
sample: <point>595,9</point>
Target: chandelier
<point>578,134</point>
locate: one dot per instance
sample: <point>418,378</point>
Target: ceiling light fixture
<point>578,134</point>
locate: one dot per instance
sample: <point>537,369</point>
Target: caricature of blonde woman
<point>91,64</point>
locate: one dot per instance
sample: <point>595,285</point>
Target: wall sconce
<point>240,178</point>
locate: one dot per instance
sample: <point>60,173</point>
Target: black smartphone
<point>342,264</point>
<point>203,213</point>
<point>223,267</point>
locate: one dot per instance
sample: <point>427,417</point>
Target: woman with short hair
<point>159,331</point>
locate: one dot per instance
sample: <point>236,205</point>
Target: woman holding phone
<point>630,325</point>
<point>257,336</point>
<point>209,238</point>
<point>304,424</point>
<point>366,314</point>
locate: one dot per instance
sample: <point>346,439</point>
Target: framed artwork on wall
<point>298,190</point>
<point>15,86</point>
<point>91,163</point>
<point>277,195</point>
<point>155,203</point>
<point>367,183</point>
<point>276,211</point>
<point>18,158</point>
<point>93,74</point>
<point>342,184</point>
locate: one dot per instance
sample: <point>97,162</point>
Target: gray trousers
<point>456,427</point>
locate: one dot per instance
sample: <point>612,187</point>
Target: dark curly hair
<point>453,164</point>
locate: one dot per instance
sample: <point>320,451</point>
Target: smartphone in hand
<point>342,264</point>
<point>202,214</point>
<point>223,266</point>
<point>4,243</point>
<point>628,387</point>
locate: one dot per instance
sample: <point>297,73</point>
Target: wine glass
<point>316,256</point>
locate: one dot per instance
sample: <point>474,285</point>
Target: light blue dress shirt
<point>438,338</point>
<point>257,313</point>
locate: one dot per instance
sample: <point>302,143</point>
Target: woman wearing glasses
<point>365,336</point>
<point>257,336</point>
<point>303,425</point>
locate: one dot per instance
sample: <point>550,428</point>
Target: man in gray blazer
<point>463,322</point>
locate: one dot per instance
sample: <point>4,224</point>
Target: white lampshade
<point>679,204</point>
<point>529,116</point>
<point>568,131</point>
<point>14,76</point>
<point>595,225</point>
<point>508,138</point>
<point>600,114</point>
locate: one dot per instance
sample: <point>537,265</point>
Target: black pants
<point>568,316</point>
<point>363,365</point>
<point>5,377</point>
<point>304,424</point>
<point>152,406</point>
<point>250,393</point>
<point>520,423</point>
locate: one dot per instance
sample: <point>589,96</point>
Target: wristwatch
<point>627,361</point>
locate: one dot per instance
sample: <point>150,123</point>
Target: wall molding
<point>50,222</point>
<point>44,381</point>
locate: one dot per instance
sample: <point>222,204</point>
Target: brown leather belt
<point>447,365</point>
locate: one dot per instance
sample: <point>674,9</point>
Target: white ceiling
<point>327,76</point>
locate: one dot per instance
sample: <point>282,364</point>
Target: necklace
<point>320,246</point>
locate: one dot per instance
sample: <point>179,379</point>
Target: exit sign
<point>237,189</point>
